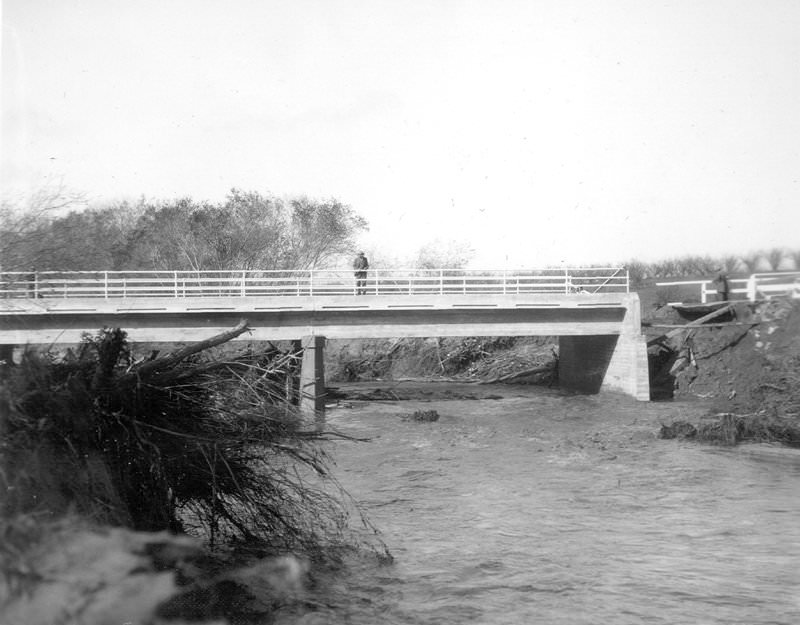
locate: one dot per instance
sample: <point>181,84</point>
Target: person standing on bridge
<point>360,266</point>
<point>721,285</point>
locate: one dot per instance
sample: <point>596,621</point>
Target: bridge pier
<point>312,376</point>
<point>589,364</point>
<point>7,355</point>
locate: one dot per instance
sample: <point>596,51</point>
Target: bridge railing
<point>257,283</point>
<point>757,286</point>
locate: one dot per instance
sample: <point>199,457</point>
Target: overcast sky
<point>538,131</point>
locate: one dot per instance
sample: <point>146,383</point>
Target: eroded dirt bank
<point>748,370</point>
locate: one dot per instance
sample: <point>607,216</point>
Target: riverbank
<point>161,489</point>
<point>750,372</point>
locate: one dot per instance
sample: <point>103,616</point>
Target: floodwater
<point>543,508</point>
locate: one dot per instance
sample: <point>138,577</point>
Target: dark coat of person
<point>360,266</point>
<point>722,287</point>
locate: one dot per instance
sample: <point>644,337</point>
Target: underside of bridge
<point>600,340</point>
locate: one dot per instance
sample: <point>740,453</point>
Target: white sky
<point>539,131</point>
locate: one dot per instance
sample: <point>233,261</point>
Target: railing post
<point>311,282</point>
<point>504,281</point>
<point>105,285</point>
<point>566,281</point>
<point>244,282</point>
<point>441,282</point>
<point>35,285</point>
<point>175,283</point>
<point>377,283</point>
<point>703,293</point>
<point>124,287</point>
<point>751,288</point>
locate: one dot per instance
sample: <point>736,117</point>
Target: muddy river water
<point>534,507</point>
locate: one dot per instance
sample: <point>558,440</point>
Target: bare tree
<point>751,261</point>
<point>24,244</point>
<point>247,231</point>
<point>729,263</point>
<point>774,258</point>
<point>795,256</point>
<point>638,272</point>
<point>440,254</point>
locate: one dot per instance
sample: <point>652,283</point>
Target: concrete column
<point>312,376</point>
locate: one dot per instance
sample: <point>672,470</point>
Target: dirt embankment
<point>750,367</point>
<point>750,371</point>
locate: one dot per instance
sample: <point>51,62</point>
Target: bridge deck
<point>288,317</point>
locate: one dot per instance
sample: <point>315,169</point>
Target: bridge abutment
<point>312,376</point>
<point>590,364</point>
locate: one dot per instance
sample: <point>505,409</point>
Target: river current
<point>536,507</point>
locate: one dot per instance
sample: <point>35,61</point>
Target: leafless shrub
<point>206,447</point>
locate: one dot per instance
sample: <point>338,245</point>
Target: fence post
<point>703,293</point>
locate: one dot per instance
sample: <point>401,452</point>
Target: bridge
<point>591,310</point>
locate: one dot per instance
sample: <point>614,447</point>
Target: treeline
<point>247,230</point>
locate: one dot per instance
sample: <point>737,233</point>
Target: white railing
<point>757,286</point>
<point>254,283</point>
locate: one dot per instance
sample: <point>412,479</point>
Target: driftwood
<point>705,325</point>
<point>108,352</point>
<point>691,325</point>
<point>510,377</point>
<point>152,367</point>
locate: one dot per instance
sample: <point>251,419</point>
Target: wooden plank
<point>692,324</point>
<point>705,325</point>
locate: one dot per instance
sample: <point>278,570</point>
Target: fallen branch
<point>691,325</point>
<point>682,326</point>
<point>159,364</point>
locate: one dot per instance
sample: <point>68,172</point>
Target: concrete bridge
<point>592,312</point>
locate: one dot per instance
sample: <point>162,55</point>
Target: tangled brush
<point>213,448</point>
